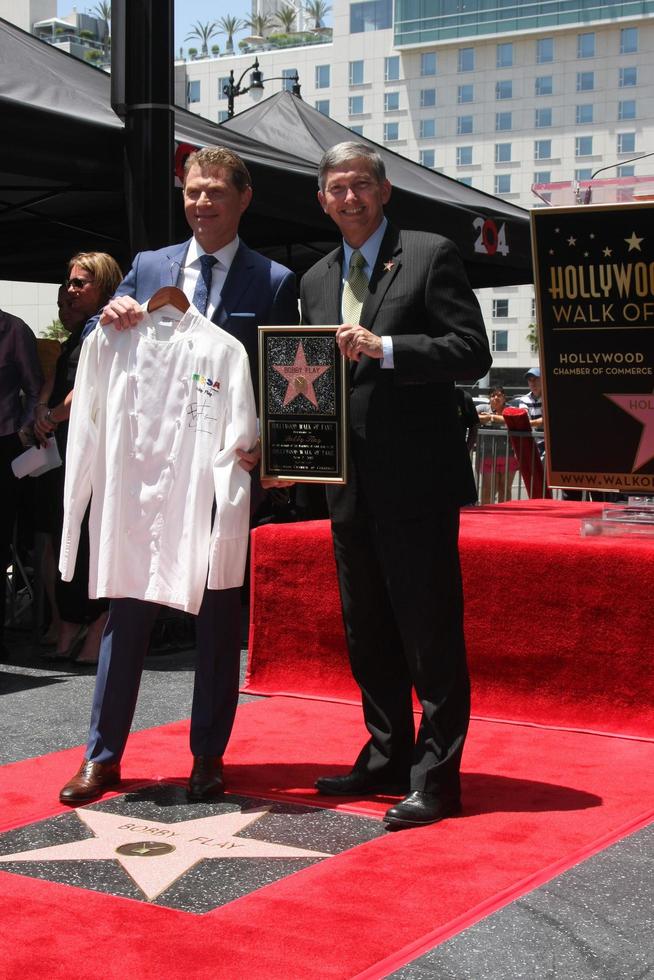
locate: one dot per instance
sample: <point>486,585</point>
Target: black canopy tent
<point>62,186</point>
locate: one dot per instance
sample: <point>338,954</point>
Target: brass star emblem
<point>634,242</point>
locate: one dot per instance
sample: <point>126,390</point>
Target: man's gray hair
<point>336,156</point>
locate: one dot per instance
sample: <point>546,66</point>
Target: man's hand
<point>272,483</point>
<point>43,426</point>
<point>248,460</point>
<point>123,312</point>
<point>353,341</point>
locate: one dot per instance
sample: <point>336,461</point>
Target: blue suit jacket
<point>256,291</point>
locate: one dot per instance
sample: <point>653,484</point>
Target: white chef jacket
<point>157,416</point>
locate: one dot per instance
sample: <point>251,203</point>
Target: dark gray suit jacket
<point>406,440</point>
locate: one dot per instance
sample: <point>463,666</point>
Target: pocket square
<point>242,314</point>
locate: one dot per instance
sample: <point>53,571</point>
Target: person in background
<point>411,327</point>
<point>532,402</point>
<point>496,459</point>
<point>91,279</point>
<point>20,382</point>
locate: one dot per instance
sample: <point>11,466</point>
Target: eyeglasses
<point>77,283</point>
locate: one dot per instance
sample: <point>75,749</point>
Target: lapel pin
<point>388,265</point>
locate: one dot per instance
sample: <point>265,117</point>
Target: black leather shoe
<point>358,784</point>
<point>420,809</point>
<point>90,781</point>
<point>206,780</point>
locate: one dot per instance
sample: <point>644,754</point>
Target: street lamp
<point>231,88</point>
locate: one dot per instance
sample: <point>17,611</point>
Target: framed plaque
<point>303,389</point>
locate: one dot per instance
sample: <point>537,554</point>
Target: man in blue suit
<point>238,289</point>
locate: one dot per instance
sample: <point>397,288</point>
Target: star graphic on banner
<point>607,252</point>
<point>156,854</point>
<point>301,377</point>
<point>641,407</point>
<point>634,242</point>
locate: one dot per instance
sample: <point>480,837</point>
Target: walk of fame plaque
<point>303,405</point>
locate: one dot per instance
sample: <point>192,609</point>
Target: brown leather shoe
<point>90,781</point>
<point>206,779</point>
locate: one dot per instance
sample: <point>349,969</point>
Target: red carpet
<point>536,801</point>
<point>559,627</point>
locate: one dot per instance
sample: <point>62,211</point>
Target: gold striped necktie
<point>354,289</point>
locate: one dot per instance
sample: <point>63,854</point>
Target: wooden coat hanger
<point>168,296</point>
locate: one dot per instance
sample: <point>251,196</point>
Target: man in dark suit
<point>412,327</point>
<point>238,289</point>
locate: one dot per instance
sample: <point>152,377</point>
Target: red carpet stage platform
<point>559,628</point>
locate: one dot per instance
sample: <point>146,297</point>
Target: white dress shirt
<point>158,415</point>
<point>190,271</point>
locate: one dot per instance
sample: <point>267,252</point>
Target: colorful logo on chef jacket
<point>206,385</point>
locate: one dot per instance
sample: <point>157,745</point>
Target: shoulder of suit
<point>258,261</point>
<point>323,264</point>
<point>162,253</point>
<point>424,239</point>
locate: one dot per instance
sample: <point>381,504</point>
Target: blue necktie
<point>203,285</point>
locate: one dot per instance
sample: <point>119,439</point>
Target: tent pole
<point>142,94</point>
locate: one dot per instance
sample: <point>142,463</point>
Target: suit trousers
<point>122,654</point>
<point>401,594</point>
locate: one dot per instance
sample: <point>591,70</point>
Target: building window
<point>502,121</point>
<point>463,156</point>
<point>504,89</point>
<point>463,125</point>
<point>584,146</point>
<point>586,45</point>
<point>222,82</point>
<point>356,73</point>
<point>428,158</point>
<point>502,153</point>
<point>544,85</point>
<point>629,171</point>
<point>428,63</point>
<point>542,149</point>
<point>322,105</point>
<point>391,101</point>
<point>504,55</point>
<point>544,50</point>
<point>502,183</point>
<point>289,75</point>
<point>584,114</point>
<point>357,129</point>
<point>373,15</point>
<point>501,307</point>
<point>465,180</point>
<point>223,115</point>
<point>542,176</point>
<point>542,118</point>
<point>322,76</point>
<point>466,60</point>
<point>627,77</point>
<point>193,92</point>
<point>391,68</point>
<point>391,132</point>
<point>627,109</point>
<point>427,98</point>
<point>583,173</point>
<point>629,40</point>
<point>465,93</point>
<point>585,81</point>
<point>355,105</point>
<point>427,129</point>
<point>626,142</point>
<point>500,341</point>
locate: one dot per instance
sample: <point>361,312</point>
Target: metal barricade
<point>499,474</point>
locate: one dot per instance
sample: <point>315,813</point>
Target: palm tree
<point>260,24</point>
<point>204,33</point>
<point>286,17</point>
<point>230,25</point>
<point>317,10</point>
<point>102,11</point>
